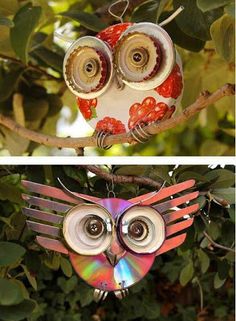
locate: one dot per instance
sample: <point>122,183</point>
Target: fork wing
<point>50,226</point>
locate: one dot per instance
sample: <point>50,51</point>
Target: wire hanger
<point>120,17</point>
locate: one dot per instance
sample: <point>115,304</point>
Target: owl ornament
<point>125,78</point>
<point>111,243</point>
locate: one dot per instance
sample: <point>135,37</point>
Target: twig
<point>30,66</point>
<point>217,245</point>
<point>120,179</point>
<point>205,99</point>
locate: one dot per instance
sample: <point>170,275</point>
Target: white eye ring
<point>150,225</point>
<point>92,43</point>
<point>76,230</point>
<point>167,49</point>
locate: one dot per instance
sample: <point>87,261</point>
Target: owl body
<point>136,95</point>
<point>111,243</point>
<point>98,271</point>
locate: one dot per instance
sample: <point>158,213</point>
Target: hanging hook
<point>172,17</point>
<point>110,189</point>
<point>122,14</point>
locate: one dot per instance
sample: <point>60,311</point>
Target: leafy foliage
<point>36,284</point>
<point>31,65</point>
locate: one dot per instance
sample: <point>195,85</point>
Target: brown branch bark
<point>217,245</point>
<point>206,99</point>
<point>120,179</point>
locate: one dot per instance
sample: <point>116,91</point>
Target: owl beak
<point>115,252</point>
<point>112,258</point>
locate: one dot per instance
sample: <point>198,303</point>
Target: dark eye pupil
<point>94,227</point>
<point>137,57</point>
<point>89,67</point>
<point>136,229</point>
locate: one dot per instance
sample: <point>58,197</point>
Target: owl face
<point>128,74</point>
<point>111,243</point>
<point>114,242</point>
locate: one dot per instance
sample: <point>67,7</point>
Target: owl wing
<point>179,219</point>
<point>50,223</point>
<point>176,220</point>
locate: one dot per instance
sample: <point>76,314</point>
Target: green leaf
<point>214,230</point>
<point>8,7</point>
<point>6,22</point>
<point>25,20</point>
<point>159,172</point>
<point>17,312</point>
<point>207,5</point>
<point>30,278</point>
<point>66,267</point>
<point>232,214</point>
<point>213,148</point>
<point>77,174</point>
<point>53,261</point>
<point>204,260</point>
<point>221,178</point>
<point>180,38</point>
<point>87,20</point>
<point>10,253</point>
<point>8,83</point>
<point>193,21</point>
<point>10,293</point>
<point>35,109</point>
<point>15,144</point>
<point>218,283</point>
<point>138,170</point>
<point>227,194</point>
<point>186,274</point>
<point>55,104</point>
<point>223,35</point>
<point>67,286</point>
<point>85,295</point>
<point>50,58</point>
<point>230,9</point>
<point>148,11</point>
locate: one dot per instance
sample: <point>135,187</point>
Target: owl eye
<point>138,57</point>
<point>142,230</point>
<point>88,229</point>
<point>88,67</point>
<point>94,227</point>
<point>144,56</point>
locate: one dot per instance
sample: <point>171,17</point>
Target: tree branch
<point>30,66</point>
<point>217,245</point>
<point>120,179</point>
<point>206,99</point>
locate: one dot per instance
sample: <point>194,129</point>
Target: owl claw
<point>100,138</point>
<point>139,134</point>
<point>99,295</point>
<point>121,294</point>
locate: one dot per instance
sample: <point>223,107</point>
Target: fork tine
<point>174,228</point>
<point>43,228</point>
<point>43,216</point>
<point>52,244</point>
<point>44,203</point>
<point>57,193</point>
<point>172,243</point>
<point>173,216</point>
<point>162,207</point>
<point>156,196</point>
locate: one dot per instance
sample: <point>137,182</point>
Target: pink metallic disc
<point>100,274</point>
